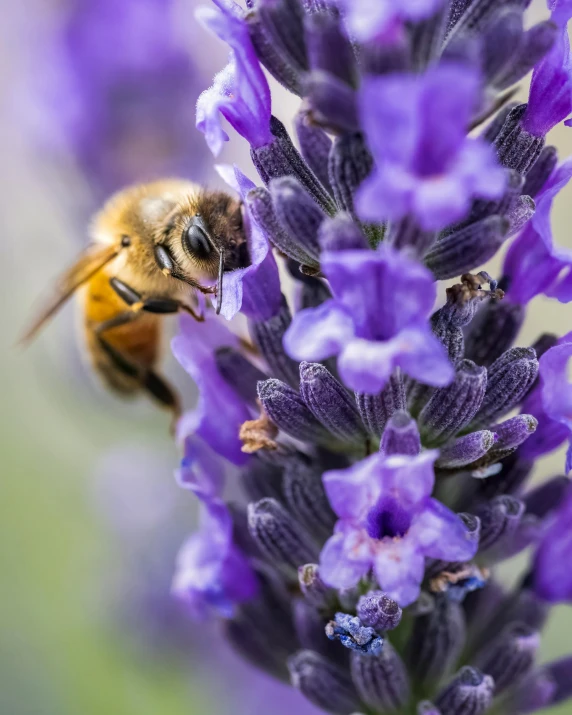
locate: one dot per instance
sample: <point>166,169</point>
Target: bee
<point>153,247</point>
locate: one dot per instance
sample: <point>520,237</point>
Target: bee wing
<point>88,264</point>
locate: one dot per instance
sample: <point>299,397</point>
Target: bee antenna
<point>219,281</point>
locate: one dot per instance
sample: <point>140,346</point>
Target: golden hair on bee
<point>153,246</point>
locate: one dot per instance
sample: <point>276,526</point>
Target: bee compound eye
<point>196,242</point>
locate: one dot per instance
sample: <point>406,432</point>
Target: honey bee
<point>153,246</point>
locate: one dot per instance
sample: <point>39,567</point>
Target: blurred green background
<point>65,566</point>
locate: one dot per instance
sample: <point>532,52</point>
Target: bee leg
<point>150,305</point>
<point>155,386</point>
<point>160,390</point>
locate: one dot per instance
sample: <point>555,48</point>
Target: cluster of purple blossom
<point>385,478</point>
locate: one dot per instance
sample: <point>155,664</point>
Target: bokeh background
<point>95,94</point>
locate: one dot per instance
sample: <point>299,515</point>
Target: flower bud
<point>511,434</point>
<point>377,610</point>
<point>329,49</point>
<point>341,233</point>
<point>499,520</point>
<point>332,102</point>
<point>330,403</point>
<point>281,158</point>
<point>493,331</point>
<point>280,537</point>
<point>406,235</point>
<point>510,378</point>
<point>516,148</point>
<point>259,202</point>
<point>289,412</point>
<point>315,146</point>
<point>299,215</point>
<point>376,410</point>
<point>510,657</point>
<point>268,335</point>
<point>305,496</point>
<point>323,683</point>
<point>260,480</point>
<point>466,450</point>
<point>436,641</point>
<point>451,408</point>
<point>541,171</point>
<point>272,28</point>
<point>350,162</point>
<point>401,435</point>
<point>469,693</point>
<point>461,251</point>
<point>381,679</point>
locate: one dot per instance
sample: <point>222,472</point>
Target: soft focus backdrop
<point>94,94</point>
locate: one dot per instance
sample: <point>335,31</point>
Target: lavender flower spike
<point>375,445</point>
<point>375,323</point>
<point>425,164</point>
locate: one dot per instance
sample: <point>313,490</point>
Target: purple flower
<point>212,574</point>
<point>115,83</point>
<point>550,98</point>
<point>240,92</point>
<point>367,20</point>
<point>533,264</point>
<point>556,388</point>
<point>377,321</point>
<point>255,289</point>
<point>425,164</point>
<point>219,413</point>
<point>552,573</point>
<point>388,522</point>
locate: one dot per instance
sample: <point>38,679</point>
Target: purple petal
<point>389,111</point>
<point>240,92</point>
<point>256,288</point>
<point>552,572</point>
<point>556,388</point>
<point>384,290</point>
<point>399,568</point>
<point>450,95</point>
<point>337,568</point>
<point>386,194</point>
<point>550,99</point>
<point>212,574</point>
<point>352,491</point>
<point>423,357</point>
<point>219,412</point>
<point>201,470</point>
<point>440,534</point>
<point>319,333</point>
<point>366,366</point>
<point>209,107</point>
<point>410,480</point>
